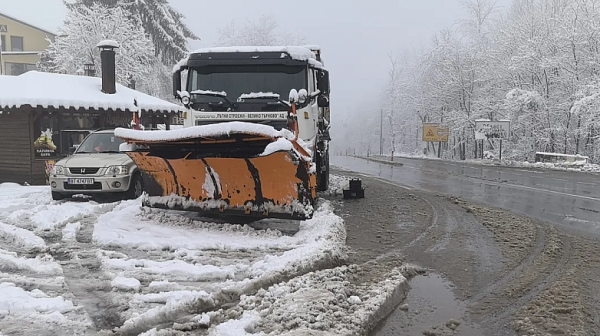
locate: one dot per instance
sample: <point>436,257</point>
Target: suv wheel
<point>136,188</point>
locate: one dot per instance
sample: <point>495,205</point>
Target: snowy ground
<point>80,267</point>
<point>574,167</point>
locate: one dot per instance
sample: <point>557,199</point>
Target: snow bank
<point>131,225</point>
<point>14,196</point>
<point>42,264</point>
<point>70,231</point>
<point>48,217</point>
<point>21,237</point>
<point>319,243</point>
<point>56,90</point>
<point>337,301</point>
<point>226,128</point>
<point>175,269</point>
<point>17,301</point>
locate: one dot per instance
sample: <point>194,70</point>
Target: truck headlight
<point>58,170</point>
<point>117,170</point>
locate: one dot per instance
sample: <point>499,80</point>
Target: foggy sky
<point>355,36</point>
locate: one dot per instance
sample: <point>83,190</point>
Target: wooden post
<point>500,149</point>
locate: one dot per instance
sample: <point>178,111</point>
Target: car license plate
<point>80,181</point>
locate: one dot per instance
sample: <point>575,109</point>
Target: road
<point>568,199</point>
<point>494,272</point>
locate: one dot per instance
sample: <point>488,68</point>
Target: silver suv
<point>97,167</point>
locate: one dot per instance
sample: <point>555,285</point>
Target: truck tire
<point>136,187</point>
<point>323,175</point>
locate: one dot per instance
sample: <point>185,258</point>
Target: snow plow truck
<point>255,136</point>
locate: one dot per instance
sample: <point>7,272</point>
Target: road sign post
<point>486,129</point>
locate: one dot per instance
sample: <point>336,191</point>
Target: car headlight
<point>117,170</point>
<point>58,170</point>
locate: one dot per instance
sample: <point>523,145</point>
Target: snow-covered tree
<point>160,21</point>
<point>264,31</point>
<point>84,28</point>
<point>537,64</point>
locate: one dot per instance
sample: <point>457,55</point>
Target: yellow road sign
<point>435,133</point>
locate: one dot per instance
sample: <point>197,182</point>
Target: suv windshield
<point>236,80</point>
<point>100,143</point>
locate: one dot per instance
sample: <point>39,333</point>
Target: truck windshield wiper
<point>221,95</point>
<point>275,97</point>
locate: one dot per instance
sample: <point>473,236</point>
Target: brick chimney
<point>107,57</point>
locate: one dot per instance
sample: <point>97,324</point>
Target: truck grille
<point>84,171</point>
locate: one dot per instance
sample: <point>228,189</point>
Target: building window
<point>16,43</point>
<point>3,41</point>
<point>16,69</point>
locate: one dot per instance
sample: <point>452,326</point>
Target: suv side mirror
<point>73,149</point>
<point>323,81</point>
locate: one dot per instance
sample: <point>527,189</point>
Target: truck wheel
<point>323,176</point>
<point>136,187</point>
<point>58,196</point>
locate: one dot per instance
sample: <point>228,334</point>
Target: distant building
<point>22,44</point>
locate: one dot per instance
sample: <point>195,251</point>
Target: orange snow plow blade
<point>226,175</point>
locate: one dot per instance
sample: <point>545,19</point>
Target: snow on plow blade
<point>232,173</point>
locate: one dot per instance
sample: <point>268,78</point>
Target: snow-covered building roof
<point>68,91</point>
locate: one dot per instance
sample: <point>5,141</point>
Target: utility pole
<point>381,134</point>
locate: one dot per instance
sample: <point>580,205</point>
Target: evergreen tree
<point>160,21</point>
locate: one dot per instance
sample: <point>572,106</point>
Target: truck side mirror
<point>176,83</point>
<point>323,100</point>
<point>323,81</point>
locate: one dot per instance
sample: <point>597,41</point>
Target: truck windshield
<point>236,80</point>
<point>100,143</point>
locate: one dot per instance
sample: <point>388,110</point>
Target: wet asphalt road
<point>568,199</point>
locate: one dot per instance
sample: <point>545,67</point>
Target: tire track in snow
<point>83,273</point>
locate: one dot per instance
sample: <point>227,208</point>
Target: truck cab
<point>256,84</point>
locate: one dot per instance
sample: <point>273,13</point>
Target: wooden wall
<point>15,147</point>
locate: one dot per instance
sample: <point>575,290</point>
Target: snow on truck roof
<point>299,53</point>
<point>57,90</point>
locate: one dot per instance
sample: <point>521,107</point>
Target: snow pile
<point>70,230</point>
<point>126,284</point>
<point>17,301</point>
<point>131,225</point>
<point>48,217</point>
<point>42,264</point>
<point>174,269</point>
<point>280,145</point>
<point>339,301</point>
<point>319,243</point>
<point>14,196</point>
<point>21,237</point>
<point>226,128</point>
